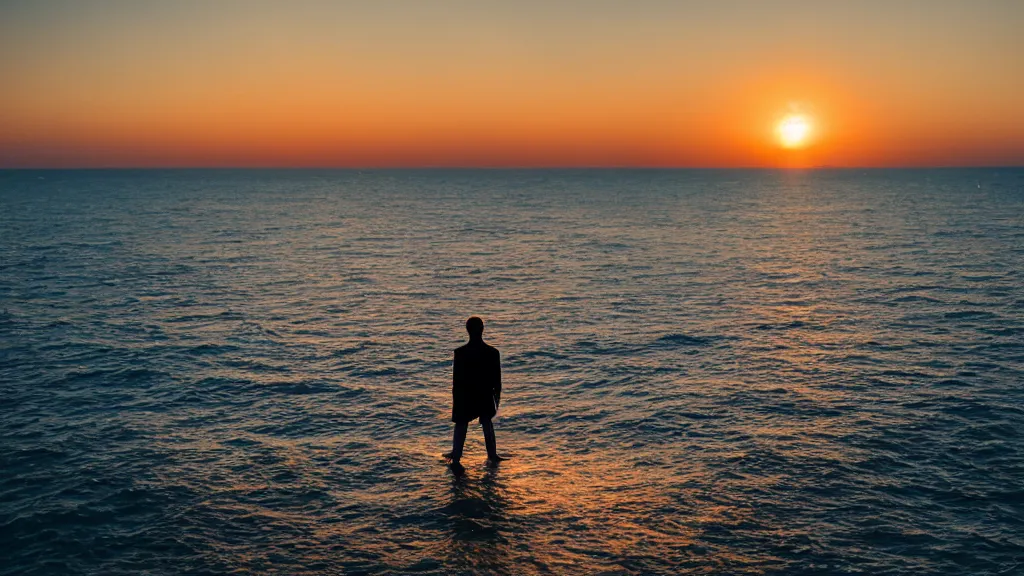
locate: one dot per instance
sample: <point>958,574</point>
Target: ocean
<point>705,371</point>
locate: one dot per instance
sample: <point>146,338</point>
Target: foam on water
<point>741,372</point>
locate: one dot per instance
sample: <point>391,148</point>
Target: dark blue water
<point>727,372</point>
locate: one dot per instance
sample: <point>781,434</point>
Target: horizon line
<point>522,167</point>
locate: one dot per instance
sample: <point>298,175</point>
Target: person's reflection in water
<point>476,393</point>
<point>478,523</point>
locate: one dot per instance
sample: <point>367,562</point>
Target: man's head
<point>475,327</point>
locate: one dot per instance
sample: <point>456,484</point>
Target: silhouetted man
<point>476,391</point>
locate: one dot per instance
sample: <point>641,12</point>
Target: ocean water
<point>706,372</point>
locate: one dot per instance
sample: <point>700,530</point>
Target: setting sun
<point>794,131</point>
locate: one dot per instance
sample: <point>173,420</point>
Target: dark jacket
<point>476,382</point>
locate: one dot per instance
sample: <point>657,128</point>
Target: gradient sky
<point>524,83</point>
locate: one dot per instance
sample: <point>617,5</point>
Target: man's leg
<point>458,441</point>
<point>489,440</point>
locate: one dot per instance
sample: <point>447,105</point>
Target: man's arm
<point>496,380</point>
<point>456,373</point>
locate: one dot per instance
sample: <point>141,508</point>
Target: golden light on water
<point>794,131</point>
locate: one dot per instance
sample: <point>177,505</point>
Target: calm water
<point>707,372</point>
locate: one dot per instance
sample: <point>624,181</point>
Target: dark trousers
<point>460,439</point>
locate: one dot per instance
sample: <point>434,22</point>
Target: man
<point>476,392</point>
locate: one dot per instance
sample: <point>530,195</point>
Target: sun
<point>794,131</point>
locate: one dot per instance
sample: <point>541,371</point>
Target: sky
<point>382,83</point>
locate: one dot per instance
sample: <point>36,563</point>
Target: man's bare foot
<point>457,468</point>
<point>493,460</point>
<point>447,455</point>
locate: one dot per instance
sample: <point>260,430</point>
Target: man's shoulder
<point>470,348</point>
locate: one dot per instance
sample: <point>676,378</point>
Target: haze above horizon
<point>600,83</point>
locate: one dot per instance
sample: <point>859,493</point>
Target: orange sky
<point>529,83</point>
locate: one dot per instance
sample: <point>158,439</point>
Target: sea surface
<point>705,372</point>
